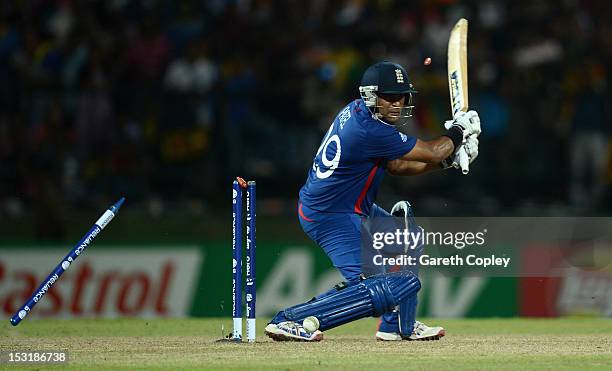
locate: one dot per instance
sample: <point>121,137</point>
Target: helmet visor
<point>393,110</point>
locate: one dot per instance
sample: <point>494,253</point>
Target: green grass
<point>566,343</point>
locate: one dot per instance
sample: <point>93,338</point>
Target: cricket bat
<point>458,80</point>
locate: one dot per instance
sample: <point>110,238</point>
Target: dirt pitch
<point>568,343</point>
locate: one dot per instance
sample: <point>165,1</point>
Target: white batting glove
<point>471,147</point>
<point>468,123</point>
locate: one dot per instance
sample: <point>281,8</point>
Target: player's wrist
<point>455,134</point>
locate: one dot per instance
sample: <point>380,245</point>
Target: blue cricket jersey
<point>351,160</point>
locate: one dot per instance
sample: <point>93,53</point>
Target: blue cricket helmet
<point>386,78</point>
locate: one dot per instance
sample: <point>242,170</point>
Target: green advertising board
<point>195,279</point>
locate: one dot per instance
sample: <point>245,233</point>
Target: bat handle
<point>464,161</point>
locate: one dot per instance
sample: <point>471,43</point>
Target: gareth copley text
<point>449,261</point>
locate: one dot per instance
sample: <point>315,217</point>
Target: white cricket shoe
<point>291,331</point>
<point>388,336</point>
<point>421,332</point>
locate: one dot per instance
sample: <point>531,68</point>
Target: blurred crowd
<point>165,101</point>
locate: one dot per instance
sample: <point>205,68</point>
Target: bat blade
<point>457,79</point>
<point>457,67</point>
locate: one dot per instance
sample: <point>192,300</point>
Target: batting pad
<point>371,297</point>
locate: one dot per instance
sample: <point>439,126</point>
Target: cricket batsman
<point>362,144</point>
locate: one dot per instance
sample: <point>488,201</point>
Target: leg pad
<point>371,297</point>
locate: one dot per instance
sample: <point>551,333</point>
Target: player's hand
<point>470,146</point>
<point>447,163</point>
<point>468,123</point>
<point>452,160</point>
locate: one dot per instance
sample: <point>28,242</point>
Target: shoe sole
<point>437,336</point>
<point>282,337</point>
<point>389,337</point>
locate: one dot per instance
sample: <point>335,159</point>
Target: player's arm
<point>425,156</point>
<point>429,155</point>
<point>433,151</point>
<point>401,167</point>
